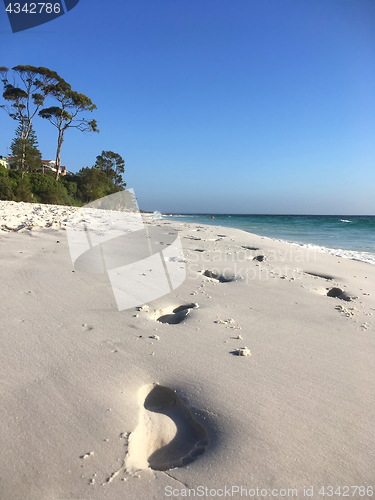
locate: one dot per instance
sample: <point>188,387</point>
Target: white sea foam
<point>337,252</point>
<point>344,220</point>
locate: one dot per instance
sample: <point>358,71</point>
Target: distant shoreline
<point>20,216</point>
<point>349,236</point>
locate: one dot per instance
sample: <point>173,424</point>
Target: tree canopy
<point>113,165</point>
<point>26,95</point>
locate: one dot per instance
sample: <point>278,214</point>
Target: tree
<point>65,116</point>
<point>93,184</point>
<point>113,165</point>
<point>26,152</point>
<point>28,95</point>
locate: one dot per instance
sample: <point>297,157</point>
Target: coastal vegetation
<point>85,186</point>
<point>25,150</point>
<point>27,178</point>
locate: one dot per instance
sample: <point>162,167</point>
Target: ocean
<point>350,236</point>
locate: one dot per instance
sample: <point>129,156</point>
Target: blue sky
<point>218,106</point>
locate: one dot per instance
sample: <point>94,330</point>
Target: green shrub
<point>74,189</point>
<point>6,191</point>
<point>23,191</point>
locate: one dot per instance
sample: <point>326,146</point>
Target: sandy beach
<point>264,360</point>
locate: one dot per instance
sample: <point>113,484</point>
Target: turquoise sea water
<point>350,236</point>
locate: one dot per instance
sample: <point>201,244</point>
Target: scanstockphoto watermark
<point>293,254</point>
<point>24,15</point>
<point>240,272</point>
<point>231,491</point>
<point>248,264</point>
<point>257,492</point>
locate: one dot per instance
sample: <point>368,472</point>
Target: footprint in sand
<point>338,293</point>
<point>218,277</point>
<point>259,258</point>
<point>176,315</point>
<point>167,435</point>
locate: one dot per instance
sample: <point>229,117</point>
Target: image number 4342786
<point>25,15</point>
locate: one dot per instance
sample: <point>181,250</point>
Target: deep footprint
<point>218,277</point>
<point>178,314</point>
<point>339,294</point>
<point>167,435</point>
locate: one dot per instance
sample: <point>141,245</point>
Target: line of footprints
<point>167,435</point>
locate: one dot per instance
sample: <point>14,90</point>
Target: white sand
<point>79,409</point>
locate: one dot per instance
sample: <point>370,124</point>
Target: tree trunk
<point>58,159</point>
<point>23,154</point>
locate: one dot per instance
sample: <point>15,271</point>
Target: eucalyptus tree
<point>26,95</point>
<point>28,92</point>
<point>65,115</point>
